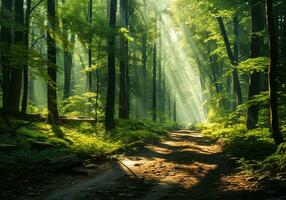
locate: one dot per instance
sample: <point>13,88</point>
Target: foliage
<point>251,65</point>
<point>82,105</point>
<point>83,140</point>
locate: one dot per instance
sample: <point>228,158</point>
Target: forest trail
<point>185,165</point>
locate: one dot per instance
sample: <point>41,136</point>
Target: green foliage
<point>251,145</point>
<point>82,106</point>
<point>251,65</point>
<point>83,140</point>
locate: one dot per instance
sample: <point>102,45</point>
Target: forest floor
<point>183,165</point>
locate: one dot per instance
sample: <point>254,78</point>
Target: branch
<point>35,6</point>
<point>35,42</point>
<point>149,54</point>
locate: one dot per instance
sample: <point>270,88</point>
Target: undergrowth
<point>82,140</point>
<point>255,150</point>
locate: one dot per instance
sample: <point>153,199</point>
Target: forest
<point>142,99</point>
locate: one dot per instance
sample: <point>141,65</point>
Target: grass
<point>255,149</point>
<point>83,141</point>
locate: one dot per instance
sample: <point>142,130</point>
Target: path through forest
<point>185,165</point>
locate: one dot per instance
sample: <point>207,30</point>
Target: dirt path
<point>186,165</point>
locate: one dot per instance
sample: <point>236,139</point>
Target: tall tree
<point>154,99</point>
<point>90,84</point>
<point>6,39</point>
<point>123,93</point>
<point>236,81</point>
<point>257,22</point>
<point>110,98</point>
<point>272,75</point>
<point>17,68</point>
<point>53,114</point>
<point>144,60</point>
<point>26,46</point>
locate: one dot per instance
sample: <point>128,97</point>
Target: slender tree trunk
<point>17,70</point>
<point>68,62</point>
<point>89,74</point>
<point>110,98</point>
<point>272,73</point>
<point>236,82</point>
<point>255,77</point>
<point>154,107</point>
<point>144,63</point>
<point>175,110</point>
<point>53,114</point>
<point>25,67</point>
<point>160,84</point>
<point>6,39</point>
<point>123,93</point>
<point>170,105</point>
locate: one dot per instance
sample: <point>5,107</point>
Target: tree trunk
<point>175,110</point>
<point>236,82</point>
<point>255,77</point>
<point>68,62</point>
<point>89,73</point>
<point>123,93</point>
<point>17,70</point>
<point>6,39</point>
<point>272,75</point>
<point>154,107</point>
<point>110,98</point>
<point>53,114</point>
<point>25,67</point>
<point>144,63</point>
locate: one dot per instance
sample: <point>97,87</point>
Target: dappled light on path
<point>184,165</point>
<point>174,161</point>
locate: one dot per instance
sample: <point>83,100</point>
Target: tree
<point>90,84</point>
<point>6,39</point>
<point>154,99</point>
<point>26,47</point>
<point>255,50</point>
<point>53,114</point>
<point>123,93</point>
<point>234,62</point>
<point>272,75</point>
<point>17,68</point>
<point>144,59</point>
<point>110,98</point>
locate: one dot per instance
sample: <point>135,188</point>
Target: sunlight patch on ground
<point>159,150</point>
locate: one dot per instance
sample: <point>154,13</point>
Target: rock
<point>65,162</point>
<point>40,145</point>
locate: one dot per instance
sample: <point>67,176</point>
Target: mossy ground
<point>82,140</point>
<point>255,150</point>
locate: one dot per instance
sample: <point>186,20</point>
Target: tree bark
<point>25,67</point>
<point>68,62</point>
<point>123,92</point>
<point>236,82</point>
<point>255,77</point>
<point>53,114</point>
<point>6,39</point>
<point>17,69</point>
<point>175,110</point>
<point>154,99</point>
<point>144,63</point>
<point>89,74</point>
<point>272,75</point>
<point>110,98</point>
